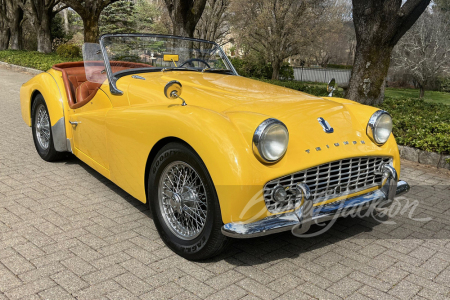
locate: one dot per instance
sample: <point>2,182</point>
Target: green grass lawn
<point>430,96</point>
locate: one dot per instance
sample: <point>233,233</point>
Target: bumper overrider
<point>300,220</point>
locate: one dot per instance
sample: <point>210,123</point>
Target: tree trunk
<point>422,91</point>
<point>91,30</point>
<point>369,73</point>
<point>44,39</point>
<point>276,65</point>
<point>66,20</point>
<point>379,25</point>
<point>16,29</point>
<point>4,38</point>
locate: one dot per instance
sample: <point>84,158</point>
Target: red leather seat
<point>85,92</point>
<point>80,91</point>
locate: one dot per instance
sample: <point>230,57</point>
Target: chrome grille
<point>328,181</point>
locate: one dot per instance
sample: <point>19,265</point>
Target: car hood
<point>248,102</point>
<point>233,95</point>
<point>214,91</point>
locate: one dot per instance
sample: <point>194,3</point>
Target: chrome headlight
<point>380,127</point>
<point>270,141</point>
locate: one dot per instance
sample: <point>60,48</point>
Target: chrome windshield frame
<point>113,80</point>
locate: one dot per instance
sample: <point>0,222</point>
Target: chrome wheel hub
<point>182,200</point>
<point>42,127</point>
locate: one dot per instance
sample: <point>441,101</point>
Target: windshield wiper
<point>177,69</point>
<point>217,70</point>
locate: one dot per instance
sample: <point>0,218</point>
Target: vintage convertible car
<point>215,155</point>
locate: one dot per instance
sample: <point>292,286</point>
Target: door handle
<point>73,123</point>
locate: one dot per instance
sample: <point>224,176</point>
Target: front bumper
<point>300,220</point>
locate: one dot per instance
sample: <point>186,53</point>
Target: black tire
<point>210,241</point>
<point>46,153</point>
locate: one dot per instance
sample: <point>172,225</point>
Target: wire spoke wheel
<point>183,201</point>
<point>43,127</point>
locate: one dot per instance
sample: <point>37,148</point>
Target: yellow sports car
<point>215,155</point>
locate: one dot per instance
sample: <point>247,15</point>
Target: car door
<point>89,128</point>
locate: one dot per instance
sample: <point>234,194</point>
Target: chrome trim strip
<point>299,222</point>
<point>69,146</point>
<point>137,77</point>
<point>59,135</point>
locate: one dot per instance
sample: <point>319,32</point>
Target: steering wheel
<point>190,61</point>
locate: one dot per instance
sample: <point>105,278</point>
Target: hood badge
<point>336,145</point>
<point>325,125</point>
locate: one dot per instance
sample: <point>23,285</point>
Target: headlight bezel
<point>259,134</point>
<point>372,126</point>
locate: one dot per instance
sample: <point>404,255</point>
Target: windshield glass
<point>149,53</point>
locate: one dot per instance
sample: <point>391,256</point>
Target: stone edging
<point>20,68</point>
<point>424,157</point>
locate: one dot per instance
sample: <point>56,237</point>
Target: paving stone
<point>90,240</point>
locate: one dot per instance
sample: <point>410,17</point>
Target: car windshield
<point>134,53</point>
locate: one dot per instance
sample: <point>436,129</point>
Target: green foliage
<point>420,124</point>
<point>444,84</point>
<point>69,51</point>
<point>332,66</point>
<point>309,88</point>
<point>33,59</point>
<point>118,18</point>
<point>148,17</point>
<point>256,67</point>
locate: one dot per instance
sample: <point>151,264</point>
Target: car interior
<point>78,88</point>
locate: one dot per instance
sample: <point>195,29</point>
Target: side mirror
<point>173,90</point>
<point>331,87</point>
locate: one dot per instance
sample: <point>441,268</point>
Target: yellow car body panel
<point>218,122</point>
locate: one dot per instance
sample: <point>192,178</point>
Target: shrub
<point>313,89</point>
<point>332,66</point>
<point>68,51</point>
<point>256,67</point>
<point>33,59</point>
<point>420,124</point>
<point>444,84</point>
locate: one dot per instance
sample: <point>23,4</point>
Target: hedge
<point>420,124</point>
<point>33,59</point>
<point>316,90</point>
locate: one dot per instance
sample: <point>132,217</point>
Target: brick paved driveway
<point>66,232</point>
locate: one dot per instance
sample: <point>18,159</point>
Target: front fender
<point>46,85</point>
<point>227,154</point>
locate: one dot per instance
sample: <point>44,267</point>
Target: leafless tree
<point>329,33</point>
<point>379,25</point>
<point>213,24</point>
<point>185,15</point>
<point>277,29</point>
<point>424,51</point>
<point>89,11</point>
